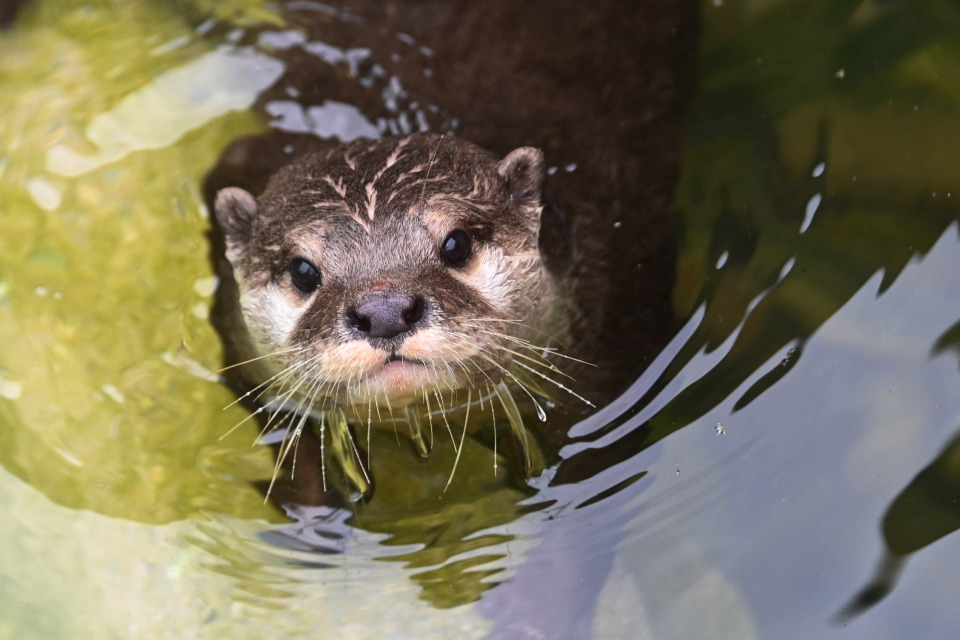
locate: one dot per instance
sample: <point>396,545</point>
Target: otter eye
<point>457,247</point>
<point>304,275</point>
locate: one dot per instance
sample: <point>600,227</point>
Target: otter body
<point>403,280</point>
<point>407,279</point>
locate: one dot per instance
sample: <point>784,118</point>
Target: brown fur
<point>601,88</point>
<point>372,218</point>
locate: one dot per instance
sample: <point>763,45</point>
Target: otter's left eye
<point>304,275</point>
<point>457,248</point>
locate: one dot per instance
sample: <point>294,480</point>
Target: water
<point>793,445</point>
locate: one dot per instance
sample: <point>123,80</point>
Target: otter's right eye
<point>304,275</point>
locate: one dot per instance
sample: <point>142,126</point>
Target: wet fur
<point>372,217</point>
<point>601,89</point>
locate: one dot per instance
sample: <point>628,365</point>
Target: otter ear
<point>236,210</point>
<point>522,170</point>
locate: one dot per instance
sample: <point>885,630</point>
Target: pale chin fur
<point>354,371</point>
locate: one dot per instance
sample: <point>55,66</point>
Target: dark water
<point>786,467</point>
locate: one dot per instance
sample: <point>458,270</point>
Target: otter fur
<point>385,271</point>
<point>396,273</point>
<point>576,259</point>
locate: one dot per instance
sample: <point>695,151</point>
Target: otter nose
<point>386,316</point>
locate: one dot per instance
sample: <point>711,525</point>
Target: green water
<point>110,416</point>
<point>105,279</point>
<point>129,512</point>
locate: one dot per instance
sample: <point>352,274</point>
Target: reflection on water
<point>169,107</point>
<point>786,466</point>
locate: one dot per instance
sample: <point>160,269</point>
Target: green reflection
<point>821,144</point>
<point>454,558</point>
<point>106,402</point>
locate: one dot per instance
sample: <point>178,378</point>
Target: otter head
<point>391,269</point>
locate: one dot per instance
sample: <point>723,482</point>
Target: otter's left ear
<point>522,170</point>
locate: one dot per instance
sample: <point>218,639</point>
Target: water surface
<point>793,446</point>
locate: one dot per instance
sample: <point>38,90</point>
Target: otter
<point>396,275</point>
<point>474,333</point>
<point>566,257</point>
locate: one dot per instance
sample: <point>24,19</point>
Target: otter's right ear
<point>523,171</point>
<point>236,210</point>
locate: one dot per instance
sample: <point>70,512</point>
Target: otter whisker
<point>251,360</point>
<point>369,426</point>
<point>449,384</point>
<point>548,337</point>
<point>265,384</point>
<point>353,445</point>
<point>554,382</point>
<point>389,408</point>
<point>491,390</point>
<point>273,382</point>
<point>454,360</point>
<point>290,441</point>
<point>284,396</point>
<point>532,466</point>
<point>538,360</point>
<point>540,411</point>
<point>292,434</point>
<point>463,435</point>
<point>250,416</point>
<point>426,401</point>
<point>323,457</point>
<point>493,419</point>
<point>519,323</point>
<point>554,351</point>
<point>443,414</point>
<point>416,430</point>
<point>540,374</point>
<point>284,449</point>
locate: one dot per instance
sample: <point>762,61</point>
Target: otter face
<point>390,269</point>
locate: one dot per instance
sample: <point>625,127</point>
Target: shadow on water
<point>927,510</point>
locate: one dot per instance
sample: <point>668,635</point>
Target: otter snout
<point>386,315</point>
